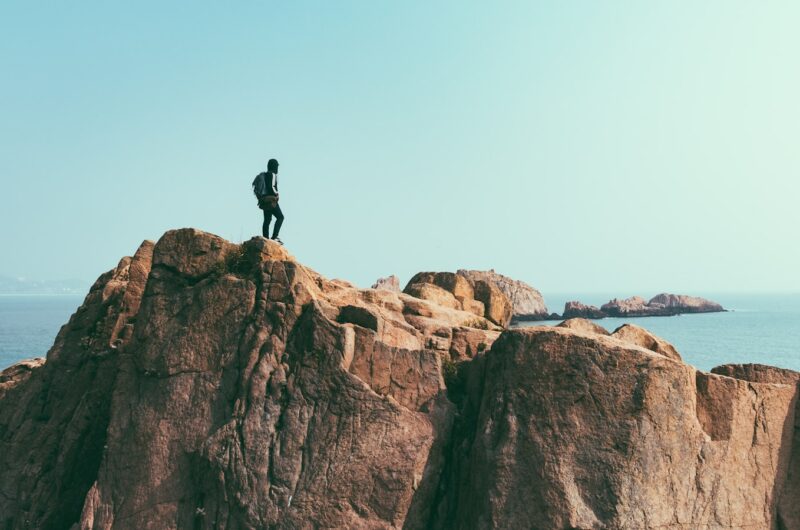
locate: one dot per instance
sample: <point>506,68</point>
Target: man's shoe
<point>277,240</point>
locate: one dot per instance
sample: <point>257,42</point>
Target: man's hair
<point>272,165</point>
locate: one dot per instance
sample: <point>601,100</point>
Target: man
<point>265,186</point>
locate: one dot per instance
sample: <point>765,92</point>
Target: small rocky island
<point>661,305</point>
<point>209,385</point>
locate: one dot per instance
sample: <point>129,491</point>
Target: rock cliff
<point>206,385</point>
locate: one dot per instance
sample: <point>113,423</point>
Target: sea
<point>758,328</point>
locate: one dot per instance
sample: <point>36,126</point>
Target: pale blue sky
<point>628,147</point>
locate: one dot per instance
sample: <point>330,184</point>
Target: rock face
<point>641,337</point>
<point>389,283</point>
<point>477,296</point>
<point>604,434</point>
<point>207,385</point>
<point>526,302</point>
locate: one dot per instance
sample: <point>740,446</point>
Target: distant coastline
<point>74,293</point>
<point>24,286</point>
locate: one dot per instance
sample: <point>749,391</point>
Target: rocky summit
<point>208,385</point>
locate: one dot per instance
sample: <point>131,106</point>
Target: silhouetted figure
<point>265,186</point>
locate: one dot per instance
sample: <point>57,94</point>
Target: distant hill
<point>9,285</point>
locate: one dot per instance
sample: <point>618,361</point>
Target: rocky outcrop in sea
<point>204,384</point>
<point>664,304</point>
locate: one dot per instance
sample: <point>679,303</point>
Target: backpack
<point>260,185</point>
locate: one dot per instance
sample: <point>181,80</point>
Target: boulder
<point>584,325</point>
<point>497,307</point>
<point>526,302</point>
<point>434,293</point>
<point>641,337</point>
<point>479,297</point>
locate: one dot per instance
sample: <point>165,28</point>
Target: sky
<point>625,147</point>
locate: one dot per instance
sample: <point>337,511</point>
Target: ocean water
<point>29,324</point>
<point>758,329</point>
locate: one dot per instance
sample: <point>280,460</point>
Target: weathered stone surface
<point>469,342</point>
<point>479,297</point>
<point>389,283</point>
<point>497,308</point>
<point>18,373</point>
<point>641,337</point>
<point>209,385</point>
<point>586,326</point>
<point>434,293</point>
<point>575,309</point>
<point>758,373</point>
<point>788,512</point>
<point>573,431</point>
<point>526,302</point>
<point>53,424</point>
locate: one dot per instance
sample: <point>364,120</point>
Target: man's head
<point>272,165</point>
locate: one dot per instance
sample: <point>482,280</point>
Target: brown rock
<point>455,283</point>
<point>474,306</point>
<point>497,308</point>
<point>480,297</point>
<point>18,373</point>
<point>526,302</point>
<point>583,325</point>
<point>434,293</point>
<point>469,342</point>
<point>641,337</point>
<point>758,373</point>
<point>572,431</point>
<point>788,512</point>
<point>237,386</point>
<point>209,385</point>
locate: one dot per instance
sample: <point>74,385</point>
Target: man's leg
<point>267,219</point>
<point>278,220</point>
